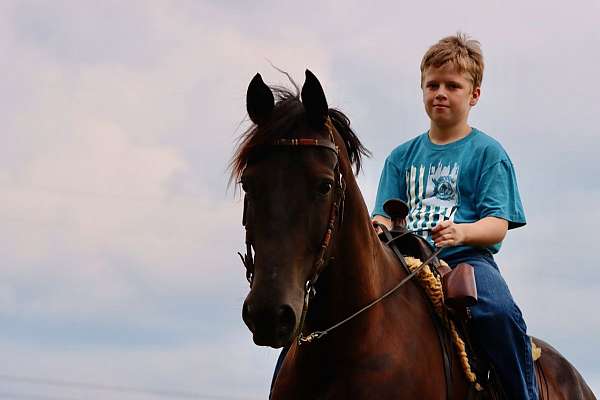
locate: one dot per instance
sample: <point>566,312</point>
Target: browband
<point>307,142</point>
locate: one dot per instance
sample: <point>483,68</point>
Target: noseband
<point>336,210</point>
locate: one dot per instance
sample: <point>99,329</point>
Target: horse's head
<point>291,165</point>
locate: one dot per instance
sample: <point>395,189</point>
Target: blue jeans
<point>278,367</point>
<point>498,330</point>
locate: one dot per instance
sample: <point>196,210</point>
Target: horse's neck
<point>361,270</point>
<point>392,337</point>
<point>356,261</point>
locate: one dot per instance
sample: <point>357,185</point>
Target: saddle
<point>460,289</point>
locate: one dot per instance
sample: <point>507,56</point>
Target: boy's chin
<point>440,116</point>
<point>443,123</point>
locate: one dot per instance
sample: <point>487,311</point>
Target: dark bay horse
<point>317,259</point>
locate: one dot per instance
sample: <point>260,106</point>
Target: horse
<point>314,258</point>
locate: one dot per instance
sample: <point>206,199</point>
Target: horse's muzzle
<point>271,325</point>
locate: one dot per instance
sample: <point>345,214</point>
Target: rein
<point>319,334</point>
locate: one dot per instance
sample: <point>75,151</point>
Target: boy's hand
<point>382,220</point>
<point>448,234</point>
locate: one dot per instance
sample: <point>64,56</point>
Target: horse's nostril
<point>287,321</point>
<point>272,326</point>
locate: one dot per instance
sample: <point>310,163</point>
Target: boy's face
<point>448,96</point>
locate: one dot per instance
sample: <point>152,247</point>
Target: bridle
<point>336,212</point>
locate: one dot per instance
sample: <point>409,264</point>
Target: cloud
<point>195,370</point>
<point>119,235</point>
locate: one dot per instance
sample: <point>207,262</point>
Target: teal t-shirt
<point>464,181</point>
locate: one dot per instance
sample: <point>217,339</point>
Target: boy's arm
<point>499,201</point>
<point>485,232</point>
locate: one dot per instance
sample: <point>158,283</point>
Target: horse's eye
<point>324,187</point>
<point>245,186</point>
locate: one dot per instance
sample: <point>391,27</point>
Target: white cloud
<point>119,121</point>
<point>197,369</point>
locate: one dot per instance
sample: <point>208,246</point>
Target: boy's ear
<point>475,96</point>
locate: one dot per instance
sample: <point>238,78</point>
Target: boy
<point>461,183</point>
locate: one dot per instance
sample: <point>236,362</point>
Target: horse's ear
<point>314,101</point>
<point>259,100</point>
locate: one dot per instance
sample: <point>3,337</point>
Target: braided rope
<point>536,352</point>
<point>433,288</point>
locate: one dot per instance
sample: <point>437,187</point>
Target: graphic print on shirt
<point>431,197</point>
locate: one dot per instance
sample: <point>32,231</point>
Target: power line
<point>109,388</point>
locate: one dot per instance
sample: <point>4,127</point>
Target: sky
<point>118,232</point>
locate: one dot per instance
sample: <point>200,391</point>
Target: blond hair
<point>459,52</point>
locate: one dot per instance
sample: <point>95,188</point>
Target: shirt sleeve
<point>391,186</point>
<point>499,195</point>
